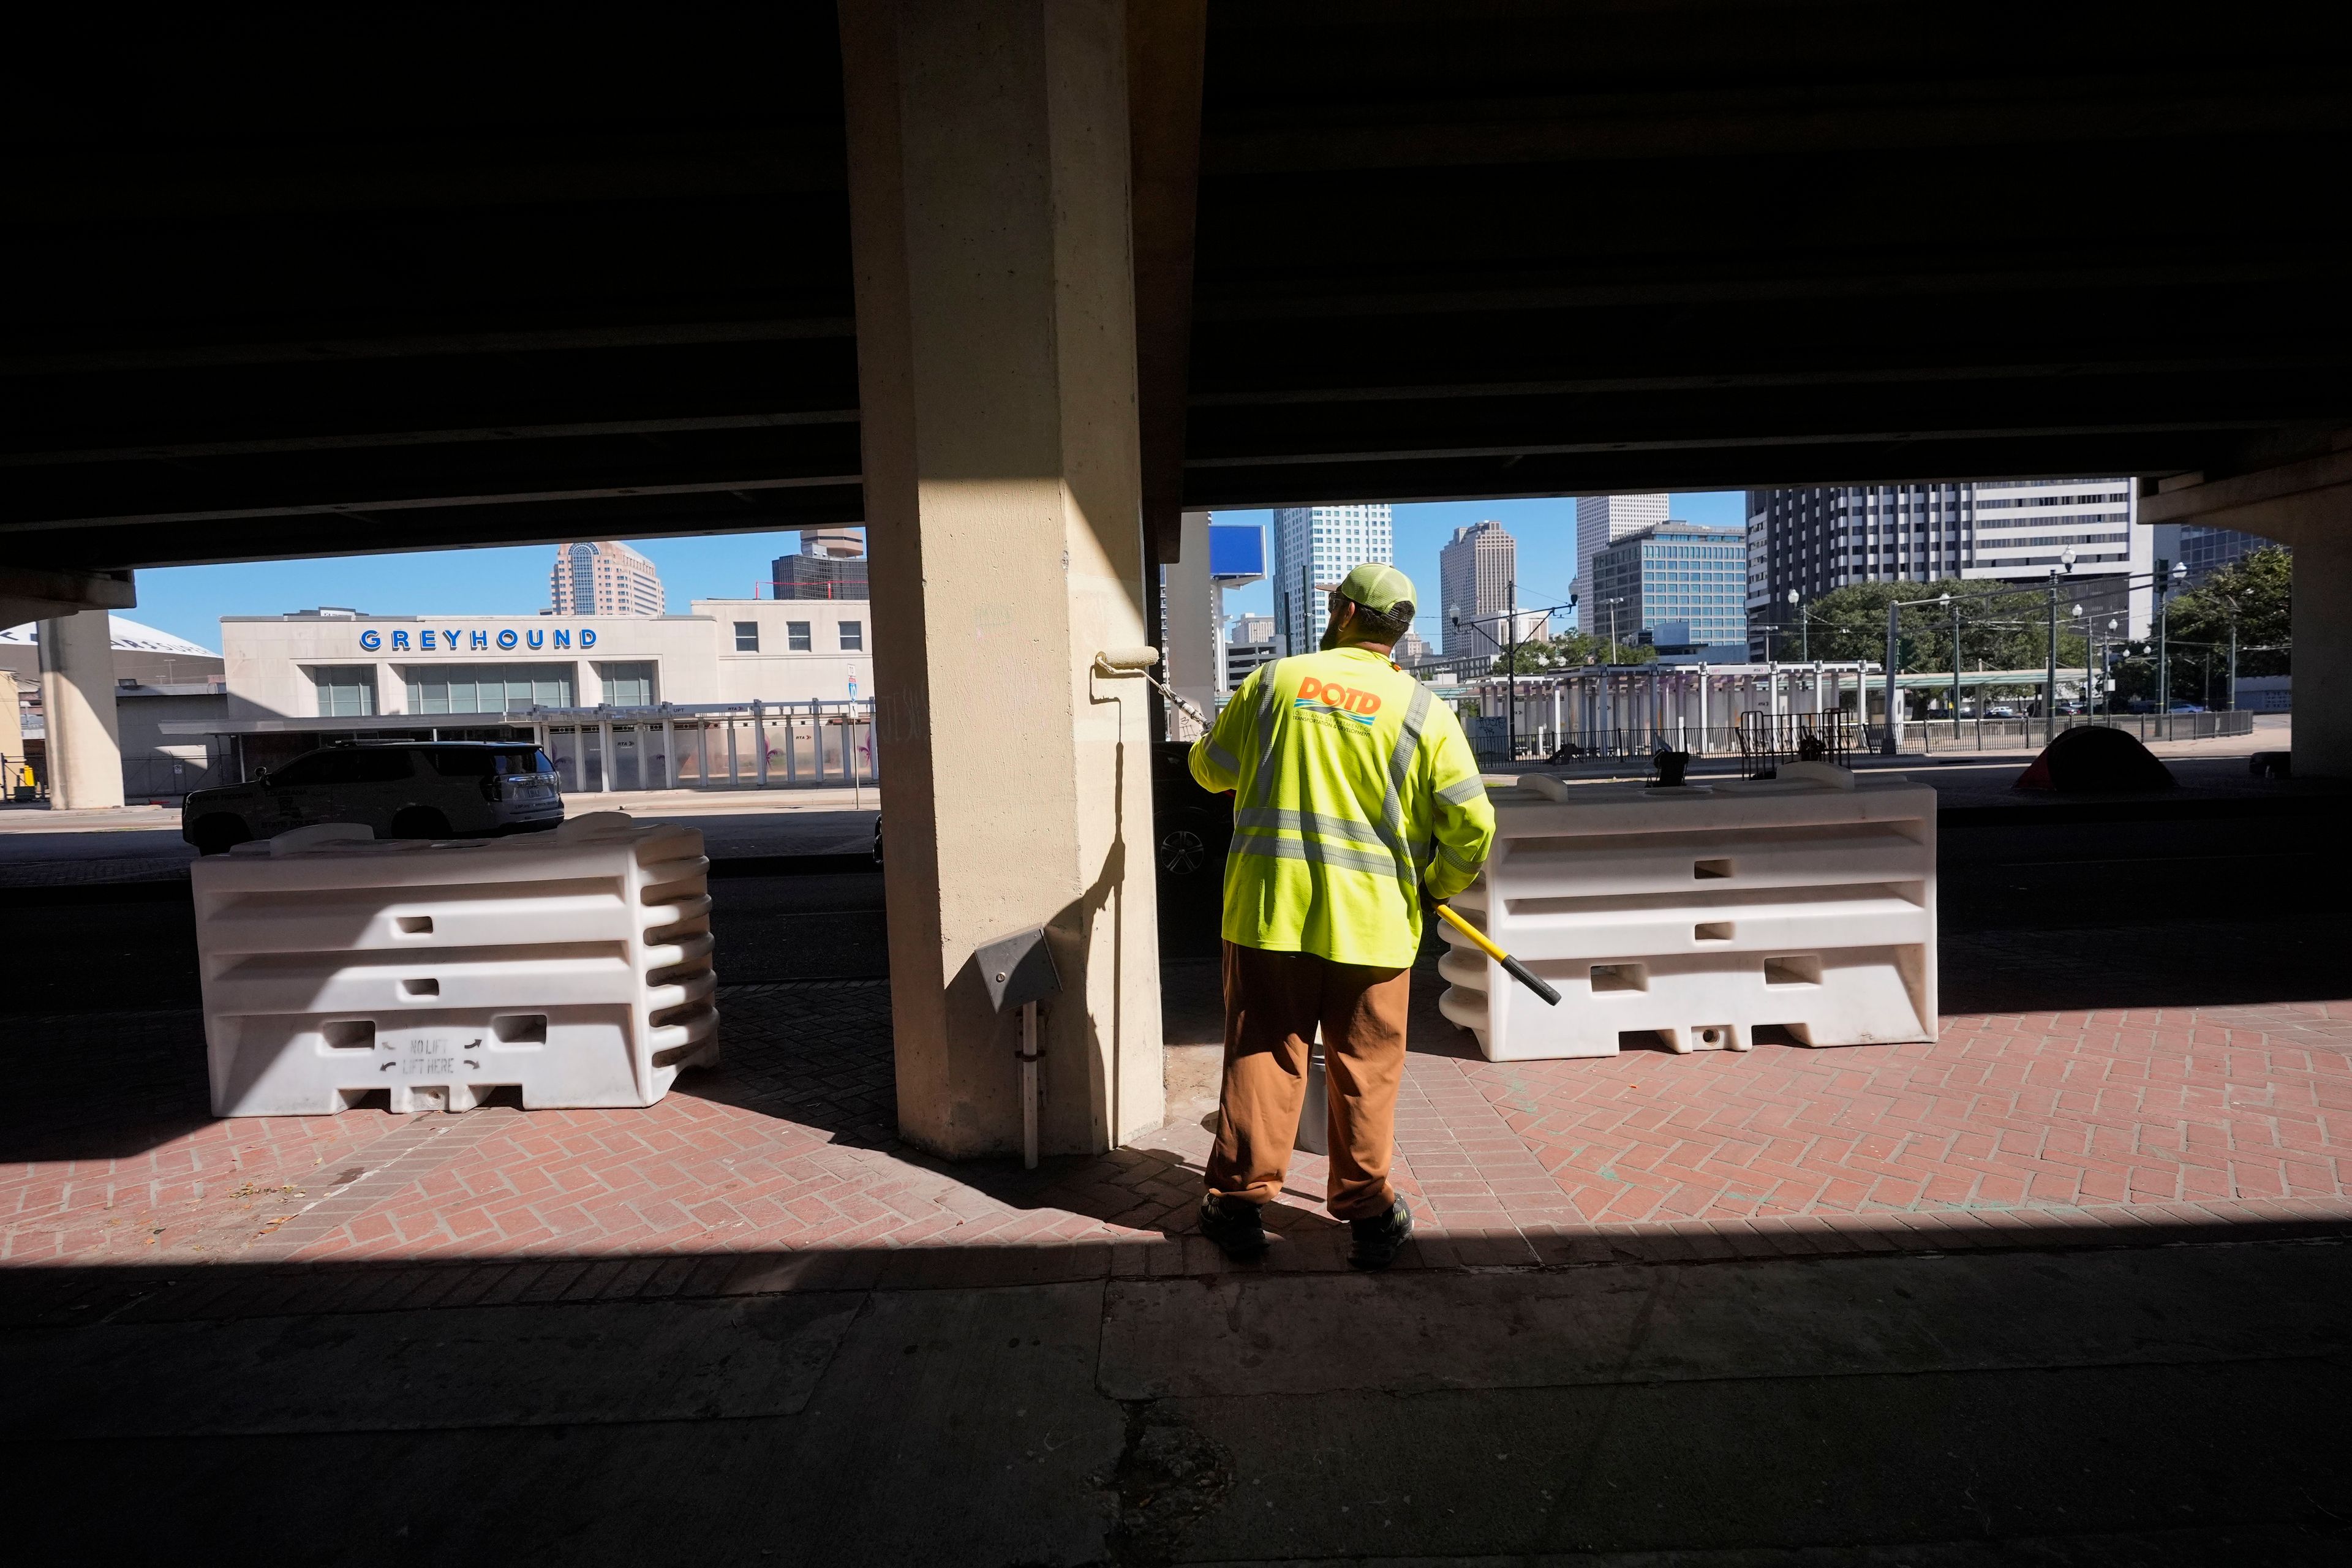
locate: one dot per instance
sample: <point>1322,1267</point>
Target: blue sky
<point>190,600</point>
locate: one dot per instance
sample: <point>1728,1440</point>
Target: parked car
<point>406,789</point>
<point>1190,828</point>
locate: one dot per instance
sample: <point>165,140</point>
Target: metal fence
<point>1931,735</point>
<point>1768,740</point>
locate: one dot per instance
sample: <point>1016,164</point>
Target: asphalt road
<point>2036,912</point>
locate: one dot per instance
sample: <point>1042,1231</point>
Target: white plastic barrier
<point>572,965</point>
<point>1802,907</point>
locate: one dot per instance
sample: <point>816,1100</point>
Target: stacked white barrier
<point>574,966</point>
<point>1803,908</point>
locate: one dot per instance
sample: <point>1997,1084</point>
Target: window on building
<point>628,685</point>
<point>747,636</point>
<point>796,635</point>
<point>853,636</point>
<point>344,690</point>
<point>488,687</point>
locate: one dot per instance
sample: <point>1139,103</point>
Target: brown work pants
<point>1273,1002</point>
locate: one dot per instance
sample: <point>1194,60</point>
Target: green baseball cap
<point>1379,589</point>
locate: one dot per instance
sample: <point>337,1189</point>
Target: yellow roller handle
<point>1517,971</point>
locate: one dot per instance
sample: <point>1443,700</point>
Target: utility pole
<point>1893,739</point>
<point>1511,673</point>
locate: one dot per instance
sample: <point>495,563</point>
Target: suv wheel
<point>219,835</point>
<point>420,822</point>
<point>1183,852</point>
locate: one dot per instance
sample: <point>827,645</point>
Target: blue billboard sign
<point>1236,553</point>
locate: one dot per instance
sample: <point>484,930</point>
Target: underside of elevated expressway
<point>534,288</point>
<point>407,291</point>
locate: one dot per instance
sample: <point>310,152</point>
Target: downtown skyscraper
<point>1476,572</point>
<point>604,578</point>
<point>1602,521</point>
<point>1810,542</point>
<point>1314,547</point>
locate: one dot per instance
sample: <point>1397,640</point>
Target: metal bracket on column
<point>1018,972</point>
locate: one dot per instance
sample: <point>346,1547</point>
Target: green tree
<point>2254,591</point>
<point>1568,650</point>
<point>1999,629</point>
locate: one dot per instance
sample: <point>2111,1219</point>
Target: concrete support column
<point>668,763</point>
<point>996,343</point>
<point>605,755</point>
<point>82,748</point>
<point>1192,656</point>
<point>2323,650</point>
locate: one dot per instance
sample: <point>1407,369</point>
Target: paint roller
<point>1137,664</point>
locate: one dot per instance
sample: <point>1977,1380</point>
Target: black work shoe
<point>1233,1225</point>
<point>1379,1240</point>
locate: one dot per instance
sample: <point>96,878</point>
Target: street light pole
<point>2232,696</point>
<point>1953,605</point>
<point>2089,632</point>
<point>2163,649</point>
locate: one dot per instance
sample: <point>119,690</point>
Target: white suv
<point>419,789</point>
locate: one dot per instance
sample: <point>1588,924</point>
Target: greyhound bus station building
<point>737,693</point>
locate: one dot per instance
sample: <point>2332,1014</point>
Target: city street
<point>2027,1287</point>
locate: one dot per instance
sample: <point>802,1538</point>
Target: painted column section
<point>82,748</point>
<point>604,754</point>
<point>990,234</point>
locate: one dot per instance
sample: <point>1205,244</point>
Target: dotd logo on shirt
<point>1329,698</point>
<point>448,639</point>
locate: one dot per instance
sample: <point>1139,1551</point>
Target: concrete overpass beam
<point>81,748</point>
<point>990,225</point>
<point>2307,504</point>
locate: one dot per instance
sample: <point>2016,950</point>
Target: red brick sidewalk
<point>2012,1128</point>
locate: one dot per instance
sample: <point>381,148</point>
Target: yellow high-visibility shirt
<point>1353,787</point>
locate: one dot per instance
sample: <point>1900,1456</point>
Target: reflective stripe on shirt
<point>1462,790</point>
<point>1316,851</point>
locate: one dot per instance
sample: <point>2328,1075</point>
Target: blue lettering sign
<point>479,639</point>
<point>507,637</point>
<point>450,641</point>
<point>369,640</point>
<point>562,640</point>
<point>534,638</point>
<point>400,640</point>
<point>425,641</point>
<point>587,637</point>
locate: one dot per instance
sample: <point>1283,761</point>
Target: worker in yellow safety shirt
<point>1356,797</point>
